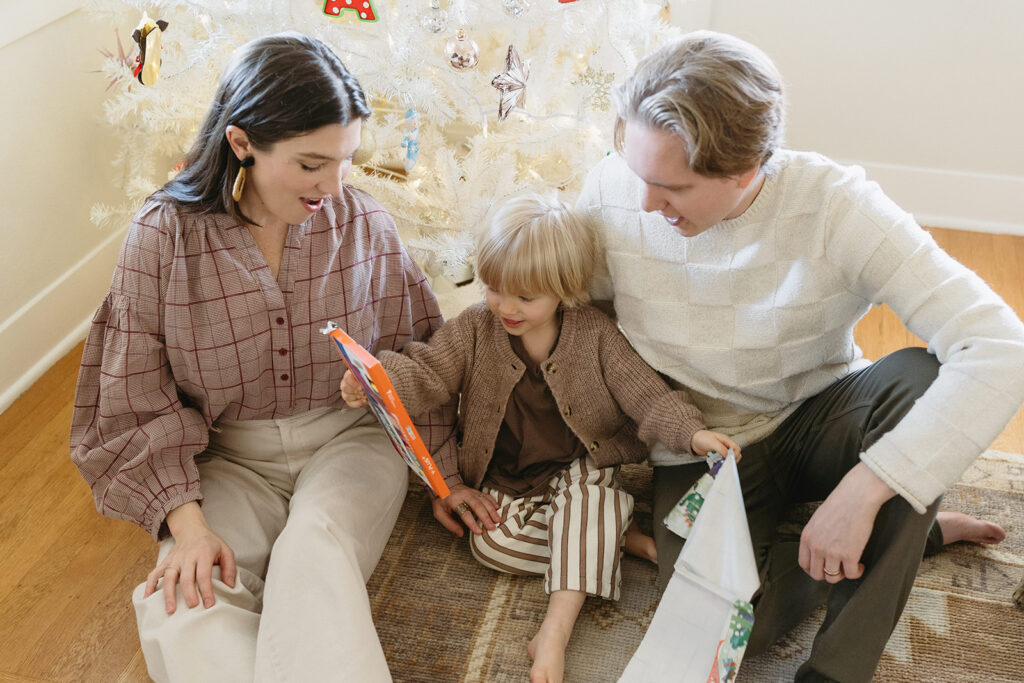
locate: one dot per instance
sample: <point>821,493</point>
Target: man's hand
<point>833,540</point>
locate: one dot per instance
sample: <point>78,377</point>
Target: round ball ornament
<point>515,8</point>
<point>434,19</point>
<point>462,52</point>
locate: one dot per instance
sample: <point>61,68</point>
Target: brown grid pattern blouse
<point>196,328</point>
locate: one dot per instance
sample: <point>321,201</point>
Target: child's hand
<point>352,391</point>
<point>481,507</point>
<point>704,441</point>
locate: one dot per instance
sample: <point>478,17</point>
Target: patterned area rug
<point>443,617</point>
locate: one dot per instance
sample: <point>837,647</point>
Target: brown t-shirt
<point>534,442</point>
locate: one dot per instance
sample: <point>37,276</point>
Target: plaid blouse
<point>195,328</point>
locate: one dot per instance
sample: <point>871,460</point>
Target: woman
<point>739,268</point>
<point>207,408</point>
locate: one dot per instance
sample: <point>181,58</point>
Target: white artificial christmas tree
<point>468,160</point>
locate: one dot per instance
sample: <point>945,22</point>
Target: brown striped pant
<point>572,533</point>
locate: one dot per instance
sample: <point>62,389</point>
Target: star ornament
<point>512,83</point>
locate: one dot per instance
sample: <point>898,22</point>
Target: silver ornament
<point>515,8</point>
<point>511,83</point>
<point>434,19</point>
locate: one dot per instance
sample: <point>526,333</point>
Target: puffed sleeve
<point>132,438</point>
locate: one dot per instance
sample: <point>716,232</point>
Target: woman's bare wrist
<point>186,517</point>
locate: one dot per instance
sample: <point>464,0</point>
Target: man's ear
<point>744,179</point>
<point>239,141</point>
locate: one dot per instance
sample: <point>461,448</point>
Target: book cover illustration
<point>388,408</point>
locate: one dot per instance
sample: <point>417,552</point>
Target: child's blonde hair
<point>721,95</point>
<point>536,245</point>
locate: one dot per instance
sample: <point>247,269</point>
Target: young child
<point>553,400</point>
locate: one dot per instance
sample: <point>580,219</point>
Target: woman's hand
<point>481,507</point>
<point>703,441</point>
<point>196,549</point>
<point>352,391</point>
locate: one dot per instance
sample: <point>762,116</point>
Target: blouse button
<point>280,320</point>
<point>284,377</point>
<point>283,352</point>
<point>594,446</point>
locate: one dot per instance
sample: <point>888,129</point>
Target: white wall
<point>55,264</point>
<point>927,95</point>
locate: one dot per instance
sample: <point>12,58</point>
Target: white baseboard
<point>978,202</point>
<point>43,330</point>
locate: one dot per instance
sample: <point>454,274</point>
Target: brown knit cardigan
<point>608,396</point>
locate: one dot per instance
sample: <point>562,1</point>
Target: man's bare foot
<point>547,650</point>
<point>957,526</point>
<point>639,544</point>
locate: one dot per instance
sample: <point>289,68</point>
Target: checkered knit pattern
<point>195,327</point>
<point>757,313</point>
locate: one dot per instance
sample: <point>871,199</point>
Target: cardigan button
<point>594,446</point>
<point>567,411</point>
<point>552,367</point>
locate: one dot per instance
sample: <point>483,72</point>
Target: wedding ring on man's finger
<point>461,509</point>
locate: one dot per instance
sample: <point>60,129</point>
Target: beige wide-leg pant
<point>307,504</point>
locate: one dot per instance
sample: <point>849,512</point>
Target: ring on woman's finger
<point>835,573</point>
<point>462,508</point>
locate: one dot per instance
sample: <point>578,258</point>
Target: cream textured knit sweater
<point>756,314</point>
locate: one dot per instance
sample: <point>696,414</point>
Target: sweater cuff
<point>916,486</point>
<point>155,515</point>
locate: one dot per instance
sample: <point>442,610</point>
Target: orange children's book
<point>388,408</point>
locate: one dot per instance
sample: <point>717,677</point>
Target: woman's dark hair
<point>274,88</point>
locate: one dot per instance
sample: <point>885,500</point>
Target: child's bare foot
<point>957,526</point>
<point>641,545</point>
<point>547,650</point>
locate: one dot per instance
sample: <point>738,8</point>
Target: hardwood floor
<point>66,574</point>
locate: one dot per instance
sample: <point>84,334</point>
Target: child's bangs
<point>521,267</point>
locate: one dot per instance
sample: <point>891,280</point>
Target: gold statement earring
<point>236,191</point>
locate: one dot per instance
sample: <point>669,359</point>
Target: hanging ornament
<point>462,52</point>
<point>512,83</point>
<point>410,140</point>
<point>147,34</point>
<point>367,145</point>
<point>598,83</point>
<point>434,19</point>
<point>364,8</point>
<point>515,8</point>
<point>666,11</point>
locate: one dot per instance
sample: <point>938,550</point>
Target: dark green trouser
<point>802,461</point>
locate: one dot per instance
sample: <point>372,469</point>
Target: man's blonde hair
<point>536,245</point>
<point>721,95</point>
